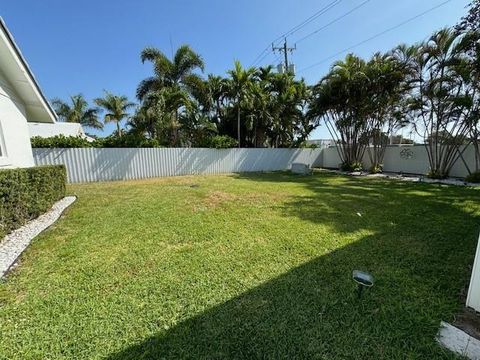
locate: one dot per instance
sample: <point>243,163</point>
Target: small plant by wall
<point>27,193</point>
<point>473,177</point>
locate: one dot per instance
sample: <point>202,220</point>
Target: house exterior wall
<point>46,130</point>
<point>473,298</point>
<point>14,134</point>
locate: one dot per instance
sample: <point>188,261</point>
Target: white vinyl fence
<point>102,164</point>
<point>105,164</point>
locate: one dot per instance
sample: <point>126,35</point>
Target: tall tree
<point>471,21</point>
<point>77,111</point>
<point>177,74</point>
<point>384,97</point>
<point>437,102</point>
<point>240,86</point>
<point>340,99</point>
<point>116,107</point>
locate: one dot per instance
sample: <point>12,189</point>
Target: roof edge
<point>10,38</point>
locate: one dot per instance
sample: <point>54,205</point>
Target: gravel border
<point>12,245</point>
<point>400,177</point>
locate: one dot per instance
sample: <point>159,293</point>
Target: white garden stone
<point>17,241</point>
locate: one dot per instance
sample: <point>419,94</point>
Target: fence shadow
<point>312,310</point>
<point>108,164</point>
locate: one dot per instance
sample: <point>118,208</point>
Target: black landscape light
<point>363,279</point>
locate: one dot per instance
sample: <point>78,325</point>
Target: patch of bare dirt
<point>217,198</point>
<point>469,321</point>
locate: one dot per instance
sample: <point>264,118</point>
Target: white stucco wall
<point>15,137</point>
<point>46,130</point>
<point>417,163</point>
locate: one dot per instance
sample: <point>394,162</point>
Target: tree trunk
<point>238,125</point>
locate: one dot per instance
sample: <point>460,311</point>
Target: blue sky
<point>87,46</point>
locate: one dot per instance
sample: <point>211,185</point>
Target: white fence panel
<point>105,164</point>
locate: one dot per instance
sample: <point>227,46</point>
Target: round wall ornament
<point>406,153</point>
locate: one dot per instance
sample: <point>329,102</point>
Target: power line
<point>332,22</point>
<point>310,19</point>
<point>305,22</point>
<point>375,36</point>
<point>278,59</point>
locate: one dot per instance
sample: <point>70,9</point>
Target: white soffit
<point>16,70</point>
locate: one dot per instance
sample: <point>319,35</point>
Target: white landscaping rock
<point>411,178</point>
<point>17,241</point>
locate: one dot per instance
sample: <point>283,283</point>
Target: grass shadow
<point>419,244</point>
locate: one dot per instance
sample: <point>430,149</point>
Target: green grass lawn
<point>243,266</point>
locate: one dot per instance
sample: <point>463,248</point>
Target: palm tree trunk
<point>238,125</point>
<point>118,129</point>
<point>175,129</point>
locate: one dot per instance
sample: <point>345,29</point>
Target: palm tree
<point>437,101</point>
<point>340,99</point>
<point>240,84</point>
<point>78,111</point>
<point>218,91</point>
<point>176,74</point>
<point>116,107</point>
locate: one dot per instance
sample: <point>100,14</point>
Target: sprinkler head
<point>363,279</point>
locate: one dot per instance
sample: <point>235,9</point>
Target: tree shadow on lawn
<point>421,263</point>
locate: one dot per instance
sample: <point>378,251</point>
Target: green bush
<point>376,169</point>
<point>59,141</point>
<point>436,175</point>
<point>27,193</point>
<point>217,142</point>
<point>355,166</point>
<point>221,142</point>
<point>473,177</point>
<point>126,141</point>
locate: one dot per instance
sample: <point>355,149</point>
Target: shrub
<point>356,166</point>
<point>27,193</point>
<point>59,141</point>
<point>126,141</point>
<point>376,169</point>
<point>437,175</point>
<point>473,177</point>
<point>221,142</point>
<point>305,145</point>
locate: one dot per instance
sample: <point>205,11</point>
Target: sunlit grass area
<point>243,266</point>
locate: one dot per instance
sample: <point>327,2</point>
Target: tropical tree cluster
<point>359,103</point>
<point>79,111</point>
<point>431,87</point>
<point>178,107</point>
<point>254,106</point>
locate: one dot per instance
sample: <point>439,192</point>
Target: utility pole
<point>285,50</point>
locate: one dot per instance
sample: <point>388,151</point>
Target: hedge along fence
<point>27,193</point>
